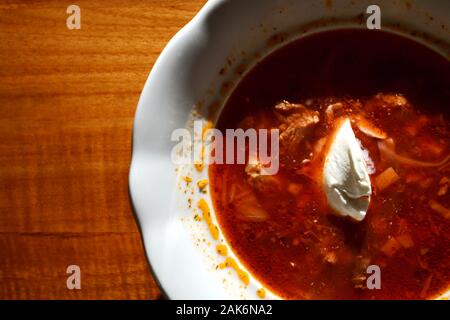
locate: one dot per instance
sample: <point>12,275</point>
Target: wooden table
<point>67,101</point>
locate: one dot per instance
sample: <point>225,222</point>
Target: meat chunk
<point>331,110</point>
<point>386,101</point>
<point>295,120</point>
<point>288,107</point>
<point>253,169</point>
<point>260,182</point>
<point>392,100</point>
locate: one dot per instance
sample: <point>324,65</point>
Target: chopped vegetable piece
<point>331,257</point>
<point>391,247</point>
<point>387,151</point>
<point>251,212</point>
<point>369,129</point>
<point>440,209</point>
<point>405,240</point>
<point>385,179</point>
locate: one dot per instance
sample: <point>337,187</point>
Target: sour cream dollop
<point>345,176</point>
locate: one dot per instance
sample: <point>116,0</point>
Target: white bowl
<point>225,34</point>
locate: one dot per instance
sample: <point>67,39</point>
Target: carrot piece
<point>436,206</point>
<point>405,240</point>
<point>391,247</point>
<point>386,178</point>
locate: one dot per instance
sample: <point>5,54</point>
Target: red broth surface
<point>281,226</point>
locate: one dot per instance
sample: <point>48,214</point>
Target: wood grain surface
<point>67,101</point>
